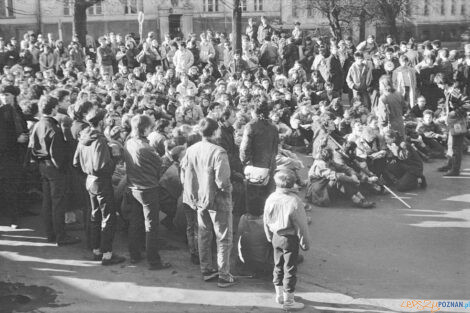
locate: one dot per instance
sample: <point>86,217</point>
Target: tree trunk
<point>237,27</point>
<point>362,26</point>
<point>392,23</point>
<point>80,21</point>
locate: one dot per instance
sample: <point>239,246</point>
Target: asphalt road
<point>361,261</point>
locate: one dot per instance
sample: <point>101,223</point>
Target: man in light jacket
<point>205,173</point>
<point>183,59</point>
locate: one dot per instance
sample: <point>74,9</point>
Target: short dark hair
<point>47,104</point>
<point>161,124</point>
<point>226,114</point>
<point>207,127</point>
<point>262,110</point>
<point>441,78</point>
<point>139,124</point>
<point>60,94</point>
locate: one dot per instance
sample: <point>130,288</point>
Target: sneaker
<point>195,259</point>
<point>423,184</point>
<point>225,283</point>
<point>68,240</point>
<point>364,204</point>
<point>210,274</point>
<point>115,259</point>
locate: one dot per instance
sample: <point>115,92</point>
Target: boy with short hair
<point>285,224</point>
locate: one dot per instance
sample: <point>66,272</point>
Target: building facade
<point>429,19</point>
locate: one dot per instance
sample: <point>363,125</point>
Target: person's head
<point>386,84</point>
<point>141,125</point>
<point>262,110</point>
<point>284,179</point>
<point>208,128</point>
<point>7,94</point>
<point>373,122</point>
<point>404,46</point>
<point>182,46</point>
<point>371,39</point>
<point>228,116</point>
<point>275,116</point>
<point>389,53</point>
<point>358,57</point>
<point>404,61</point>
<point>356,126</point>
<point>427,117</point>
<point>326,154</point>
<point>421,101</point>
<point>96,118</point>
<point>162,126</point>
<point>389,39</point>
<point>48,105</point>
<point>81,109</point>
<point>442,81</point>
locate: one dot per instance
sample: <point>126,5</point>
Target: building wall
<point>444,19</point>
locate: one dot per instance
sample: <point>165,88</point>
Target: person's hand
<point>304,247</point>
<point>355,179</point>
<point>23,138</point>
<point>373,179</point>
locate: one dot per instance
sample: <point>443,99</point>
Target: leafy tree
<point>80,18</point>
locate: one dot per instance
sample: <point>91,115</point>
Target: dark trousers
<point>103,213</point>
<point>10,180</point>
<point>145,215</point>
<point>406,181</point>
<point>306,133</point>
<point>54,199</point>
<point>286,252</point>
<point>455,147</point>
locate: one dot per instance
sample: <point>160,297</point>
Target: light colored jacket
<point>359,77</point>
<point>284,215</point>
<point>183,60</point>
<point>400,77</point>
<point>205,173</point>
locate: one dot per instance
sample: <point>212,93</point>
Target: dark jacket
<point>10,128</point>
<point>93,154</point>
<point>331,71</point>
<point>260,144</point>
<point>142,164</point>
<point>47,142</point>
<point>227,141</point>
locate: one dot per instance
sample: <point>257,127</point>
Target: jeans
<point>54,199</point>
<point>103,213</point>
<point>286,253</point>
<point>191,229</point>
<point>147,213</point>
<point>220,222</point>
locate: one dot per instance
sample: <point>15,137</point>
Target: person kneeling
<point>327,177</point>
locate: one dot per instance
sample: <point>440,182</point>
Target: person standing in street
<point>49,149</point>
<point>143,165</point>
<point>93,155</point>
<point>285,225</point>
<point>205,173</point>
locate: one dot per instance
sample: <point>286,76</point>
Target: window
<point>309,10</point>
<point>68,7</point>
<point>244,4</point>
<point>258,5</point>
<point>443,7</point>
<point>95,9</point>
<point>210,5</point>
<point>133,6</point>
<point>453,7</point>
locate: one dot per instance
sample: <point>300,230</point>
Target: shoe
<point>159,266</point>
<point>115,259</point>
<point>14,226</point>
<point>290,304</point>
<point>279,294</point>
<point>364,204</point>
<point>444,168</point>
<point>423,184</point>
<point>451,174</point>
<point>68,240</point>
<point>225,283</point>
<point>195,259</point>
<point>210,275</point>
<point>97,257</point>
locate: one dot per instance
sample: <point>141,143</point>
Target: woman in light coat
<point>404,81</point>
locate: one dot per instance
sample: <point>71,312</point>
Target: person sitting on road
<point>328,178</point>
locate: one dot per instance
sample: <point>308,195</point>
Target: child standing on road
<point>285,224</point>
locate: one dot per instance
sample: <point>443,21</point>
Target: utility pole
<point>39,16</point>
<point>237,27</point>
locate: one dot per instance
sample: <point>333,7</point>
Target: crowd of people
<point>210,136</point>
